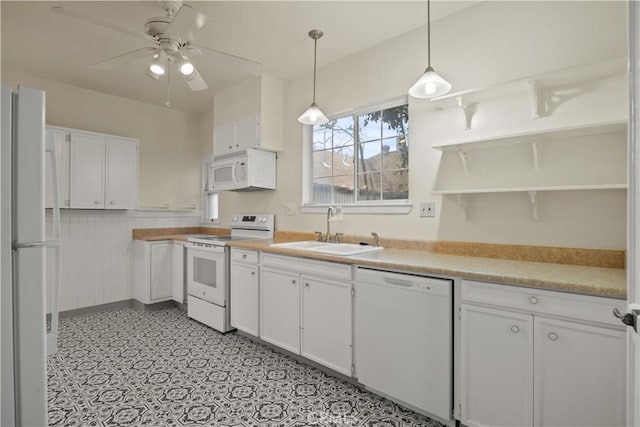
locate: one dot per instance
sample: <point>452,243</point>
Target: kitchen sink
<point>344,249</point>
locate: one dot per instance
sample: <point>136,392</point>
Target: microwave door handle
<point>233,172</point>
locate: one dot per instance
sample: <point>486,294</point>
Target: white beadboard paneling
<point>97,251</point>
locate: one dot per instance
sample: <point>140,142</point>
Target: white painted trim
<point>370,208</point>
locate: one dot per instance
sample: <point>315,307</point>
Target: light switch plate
<point>290,209</point>
<point>427,209</point>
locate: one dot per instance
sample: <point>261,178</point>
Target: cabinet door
<point>280,309</point>
<point>244,297</point>
<point>87,171</point>
<point>161,271</point>
<point>224,139</point>
<point>122,174</point>
<point>326,323</point>
<point>497,367</point>
<point>61,142</point>
<point>247,133</point>
<point>178,272</point>
<point>579,374</point>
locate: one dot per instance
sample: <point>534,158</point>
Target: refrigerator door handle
<point>44,244</point>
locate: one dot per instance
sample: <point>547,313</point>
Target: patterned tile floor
<point>160,368</point>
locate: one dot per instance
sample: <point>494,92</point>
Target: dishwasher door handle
<point>399,282</point>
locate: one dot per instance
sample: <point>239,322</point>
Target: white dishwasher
<point>403,338</point>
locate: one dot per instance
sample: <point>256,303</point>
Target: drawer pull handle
<point>553,336</point>
<point>515,329</point>
<point>253,273</point>
<point>293,282</point>
<point>244,256</point>
<point>533,300</point>
<point>306,284</point>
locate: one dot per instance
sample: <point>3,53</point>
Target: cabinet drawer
<point>244,256</point>
<point>536,301</point>
<point>307,266</point>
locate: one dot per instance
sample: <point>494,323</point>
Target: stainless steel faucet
<point>375,238</point>
<point>329,214</point>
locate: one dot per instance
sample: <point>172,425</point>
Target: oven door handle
<point>216,249</point>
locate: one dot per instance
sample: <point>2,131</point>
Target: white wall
<point>489,43</point>
<point>170,145</point>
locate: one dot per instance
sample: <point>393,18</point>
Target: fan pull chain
<point>168,101</point>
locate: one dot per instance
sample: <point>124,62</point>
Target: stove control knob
<point>235,219</point>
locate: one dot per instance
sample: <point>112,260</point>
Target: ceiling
<point>39,42</point>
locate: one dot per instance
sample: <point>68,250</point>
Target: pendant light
<point>313,115</point>
<point>430,85</point>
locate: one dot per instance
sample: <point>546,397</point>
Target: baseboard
<point>150,307</point>
<point>94,309</point>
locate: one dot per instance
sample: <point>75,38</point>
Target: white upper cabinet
<point>122,172</point>
<point>249,115</point>
<point>87,171</point>
<point>95,171</point>
<point>61,141</point>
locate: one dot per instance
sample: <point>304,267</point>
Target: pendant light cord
<point>429,33</point>
<point>315,50</point>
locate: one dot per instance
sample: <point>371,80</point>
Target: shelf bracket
<point>468,112</point>
<point>463,160</point>
<point>534,205</point>
<point>535,152</point>
<point>463,203</point>
<point>537,99</point>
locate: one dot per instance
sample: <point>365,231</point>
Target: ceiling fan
<point>172,38</point>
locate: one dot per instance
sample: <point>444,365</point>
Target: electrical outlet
<point>290,209</point>
<point>427,209</point>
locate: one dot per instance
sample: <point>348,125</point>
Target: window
<point>361,158</point>
<point>209,197</point>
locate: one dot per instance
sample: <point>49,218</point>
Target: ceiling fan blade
<point>195,81</point>
<point>125,58</point>
<point>238,63</point>
<point>186,22</point>
<point>96,21</point>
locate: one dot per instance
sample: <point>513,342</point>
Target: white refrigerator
<point>24,339</point>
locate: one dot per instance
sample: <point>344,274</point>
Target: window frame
<point>399,206</point>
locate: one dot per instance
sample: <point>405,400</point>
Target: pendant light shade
<point>313,115</point>
<point>431,84</point>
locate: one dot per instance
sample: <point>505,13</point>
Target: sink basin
<point>343,249</point>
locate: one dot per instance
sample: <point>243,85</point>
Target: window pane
<point>322,190</point>
<point>343,161</point>
<point>342,132</point>
<point>321,137</point>
<point>322,163</point>
<point>343,189</point>
<point>369,126</point>
<point>370,157</point>
<point>395,121</point>
<point>369,186</point>
<point>394,154</point>
<point>395,184</point>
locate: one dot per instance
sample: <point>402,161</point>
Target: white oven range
<point>208,265</point>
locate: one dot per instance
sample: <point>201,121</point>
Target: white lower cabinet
<point>158,271</point>
<point>280,309</point>
<point>245,291</point>
<point>326,323</point>
<point>540,358</point>
<point>580,374</point>
<point>497,366</point>
<point>306,308</point>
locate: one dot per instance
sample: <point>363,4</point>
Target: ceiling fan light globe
<point>156,68</point>
<point>430,85</point>
<point>313,116</point>
<point>187,68</point>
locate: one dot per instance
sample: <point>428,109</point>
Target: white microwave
<point>245,170</point>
